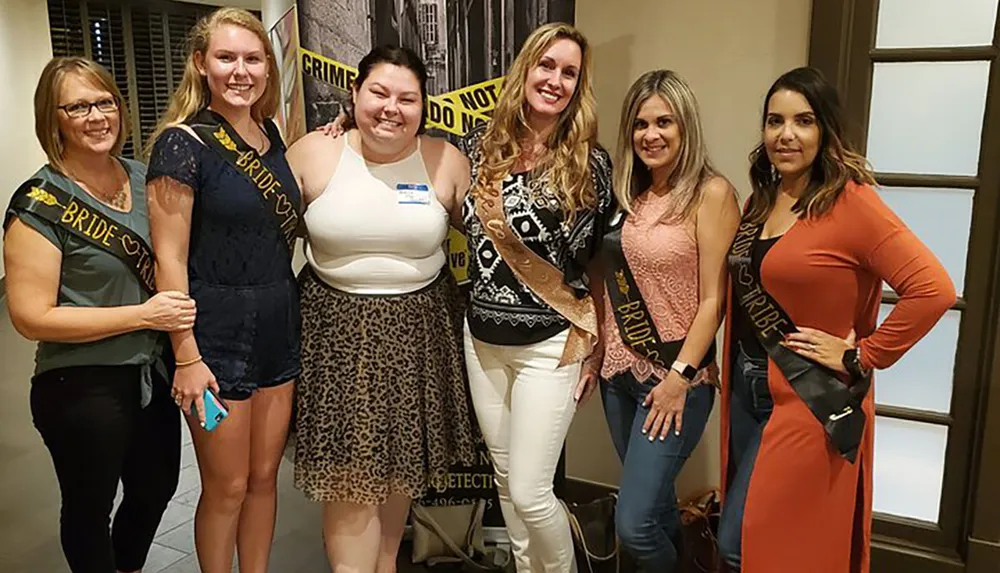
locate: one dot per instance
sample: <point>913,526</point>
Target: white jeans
<point>525,404</point>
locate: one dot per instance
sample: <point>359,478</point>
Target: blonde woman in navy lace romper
<point>215,236</point>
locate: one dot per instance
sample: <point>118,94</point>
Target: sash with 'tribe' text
<point>219,135</point>
<point>83,220</point>
<point>836,405</point>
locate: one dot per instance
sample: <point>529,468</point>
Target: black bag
<point>594,539</point>
<point>598,549</point>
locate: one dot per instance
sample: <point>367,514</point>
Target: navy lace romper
<point>239,269</point>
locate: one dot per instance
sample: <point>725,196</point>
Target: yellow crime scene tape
<point>456,112</point>
<point>480,98</point>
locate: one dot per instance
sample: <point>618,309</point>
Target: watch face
<point>685,370</point>
<point>847,358</point>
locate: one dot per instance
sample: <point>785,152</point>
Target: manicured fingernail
<point>677,432</point>
<point>663,438</point>
<point>644,432</point>
<point>652,438</point>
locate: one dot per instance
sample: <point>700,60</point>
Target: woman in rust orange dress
<point>807,267</point>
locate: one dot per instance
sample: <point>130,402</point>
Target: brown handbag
<point>699,527</point>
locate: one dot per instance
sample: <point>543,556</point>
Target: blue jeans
<point>750,408</point>
<point>647,519</point>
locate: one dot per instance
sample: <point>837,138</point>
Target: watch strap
<point>852,363</point>
<point>686,370</point>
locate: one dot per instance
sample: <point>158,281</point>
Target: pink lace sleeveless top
<point>664,260</point>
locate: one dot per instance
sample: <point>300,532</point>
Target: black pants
<point>93,425</point>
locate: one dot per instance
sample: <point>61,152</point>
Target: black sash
<point>635,324</point>
<point>87,222</point>
<point>836,405</point>
<point>217,133</point>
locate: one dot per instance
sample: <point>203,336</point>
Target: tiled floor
<point>29,495</point>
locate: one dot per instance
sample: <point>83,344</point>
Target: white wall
<point>24,49</point>
<point>729,51</point>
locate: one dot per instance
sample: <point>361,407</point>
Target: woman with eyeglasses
<point>80,282</point>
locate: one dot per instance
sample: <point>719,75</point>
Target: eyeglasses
<point>82,108</point>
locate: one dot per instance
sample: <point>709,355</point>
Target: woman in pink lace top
<point>665,277</point>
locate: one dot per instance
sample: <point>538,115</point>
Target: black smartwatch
<point>852,363</point>
<point>685,370</point>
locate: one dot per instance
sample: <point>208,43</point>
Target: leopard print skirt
<point>382,401</point>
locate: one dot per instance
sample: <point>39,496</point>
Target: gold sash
<point>216,132</point>
<point>84,220</point>
<point>543,278</point>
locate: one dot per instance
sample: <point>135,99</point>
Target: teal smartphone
<point>215,410</point>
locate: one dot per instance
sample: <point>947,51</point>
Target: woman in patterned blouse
<point>538,168</point>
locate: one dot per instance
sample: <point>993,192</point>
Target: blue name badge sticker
<point>413,194</point>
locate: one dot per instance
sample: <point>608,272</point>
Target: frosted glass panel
<point>941,218</point>
<point>927,118</point>
<point>935,23</point>
<point>909,468</point>
<point>922,378</point>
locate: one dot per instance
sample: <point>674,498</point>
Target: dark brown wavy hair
<point>836,162</point>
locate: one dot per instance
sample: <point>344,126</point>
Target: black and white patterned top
<point>503,310</point>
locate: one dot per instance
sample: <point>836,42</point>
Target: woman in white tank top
<point>382,406</point>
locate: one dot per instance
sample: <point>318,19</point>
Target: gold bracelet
<point>188,362</point>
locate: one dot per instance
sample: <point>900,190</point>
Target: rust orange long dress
<point>808,510</point>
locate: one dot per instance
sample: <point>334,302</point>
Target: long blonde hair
<point>47,101</point>
<point>692,166</point>
<point>193,95</point>
<point>566,166</point>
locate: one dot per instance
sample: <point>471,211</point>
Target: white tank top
<point>377,228</point>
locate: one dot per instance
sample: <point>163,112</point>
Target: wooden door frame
<point>842,40</point>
